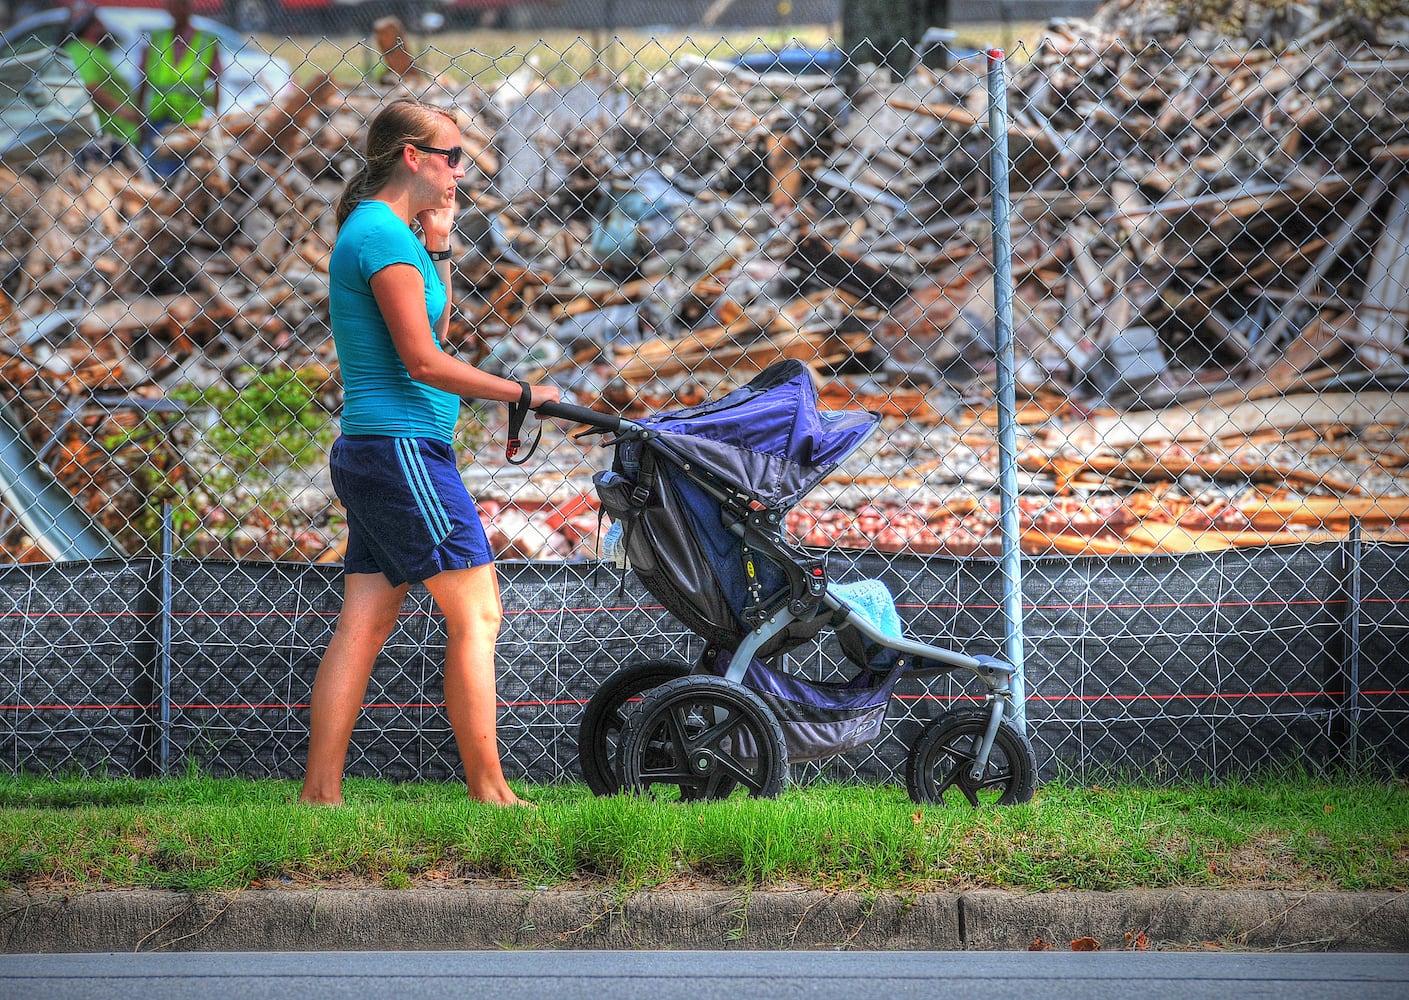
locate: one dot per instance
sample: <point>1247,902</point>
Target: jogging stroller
<point>698,497</point>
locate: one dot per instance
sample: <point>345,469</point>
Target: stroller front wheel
<point>706,736</point>
<point>939,768</point>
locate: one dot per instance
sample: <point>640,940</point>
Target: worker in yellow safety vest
<point>180,81</point>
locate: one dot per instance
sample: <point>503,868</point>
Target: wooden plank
<point>1210,422</point>
<point>1170,467</point>
<point>1163,537</point>
<point>665,356</point>
<point>1336,512</point>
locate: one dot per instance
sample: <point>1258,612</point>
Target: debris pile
<point>1211,256</point>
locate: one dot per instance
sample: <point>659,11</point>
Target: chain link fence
<point>1209,222</point>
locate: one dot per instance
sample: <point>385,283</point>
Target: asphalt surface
<point>704,976</point>
<point>449,919</point>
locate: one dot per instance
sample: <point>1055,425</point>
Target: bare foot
<point>309,800</point>
<point>500,796</point>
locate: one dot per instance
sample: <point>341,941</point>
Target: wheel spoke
<point>713,783</point>
<point>663,767</point>
<point>663,758</point>
<point>997,779</point>
<point>960,747</point>
<point>667,776</point>
<point>673,746</point>
<point>677,718</point>
<point>950,780</point>
<point>750,779</point>
<point>714,735</point>
<point>659,758</point>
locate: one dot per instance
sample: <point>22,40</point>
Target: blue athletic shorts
<point>409,515</point>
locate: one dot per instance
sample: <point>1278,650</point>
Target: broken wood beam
<point>1267,343</point>
<point>1210,422</point>
<point>820,260</point>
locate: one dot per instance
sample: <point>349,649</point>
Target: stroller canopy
<point>767,437</point>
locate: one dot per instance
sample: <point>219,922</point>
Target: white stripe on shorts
<point>418,479</point>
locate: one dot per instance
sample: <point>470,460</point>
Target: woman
<point>409,516</point>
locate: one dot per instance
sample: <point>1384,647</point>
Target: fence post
<point>164,596</point>
<point>1355,548</point>
<point>1007,382</point>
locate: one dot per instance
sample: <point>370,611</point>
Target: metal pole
<point>164,649</point>
<point>1356,554</point>
<point>1007,382</point>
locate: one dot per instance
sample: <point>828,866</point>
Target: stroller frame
<point>653,722</point>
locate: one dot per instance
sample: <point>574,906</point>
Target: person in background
<point>409,517</point>
<point>119,119</point>
<point>180,82</point>
<point>394,63</point>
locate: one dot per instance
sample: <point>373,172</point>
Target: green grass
<point>202,834</point>
<point>563,56</point>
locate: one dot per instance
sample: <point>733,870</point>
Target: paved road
<point>615,975</point>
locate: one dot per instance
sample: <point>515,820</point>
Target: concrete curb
<point>470,918</point>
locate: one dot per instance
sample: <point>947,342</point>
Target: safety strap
<point>636,506</point>
<point>517,412</point>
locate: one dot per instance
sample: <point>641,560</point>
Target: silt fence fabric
<point>1155,668</point>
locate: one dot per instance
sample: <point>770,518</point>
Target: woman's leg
<point>369,609</point>
<point>469,599</point>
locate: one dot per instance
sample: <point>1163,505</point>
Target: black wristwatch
<point>440,254</point>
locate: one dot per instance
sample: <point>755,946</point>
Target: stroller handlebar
<point>582,415</point>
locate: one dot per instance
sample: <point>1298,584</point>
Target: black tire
<point>704,736</point>
<point>605,715</point>
<point>937,771</point>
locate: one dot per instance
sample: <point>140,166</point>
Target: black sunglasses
<point>452,156</point>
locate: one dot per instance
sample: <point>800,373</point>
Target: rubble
<point>1209,255</point>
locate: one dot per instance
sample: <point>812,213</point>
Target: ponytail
<point>352,193</point>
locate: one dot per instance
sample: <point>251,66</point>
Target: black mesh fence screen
<point>1156,668</point>
<point>78,668</point>
<point>1375,662</point>
<point>1205,281</point>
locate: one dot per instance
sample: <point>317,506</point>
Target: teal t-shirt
<point>379,396</point>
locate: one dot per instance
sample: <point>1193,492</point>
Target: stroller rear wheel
<point>939,765</point>
<point>599,732</point>
<point>705,736</point>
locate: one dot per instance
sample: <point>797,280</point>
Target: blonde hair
<point>402,122</point>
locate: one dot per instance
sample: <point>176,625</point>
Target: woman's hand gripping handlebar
<point>596,421</point>
<point>602,423</point>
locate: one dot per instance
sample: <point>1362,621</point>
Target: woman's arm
<point>401,296</point>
